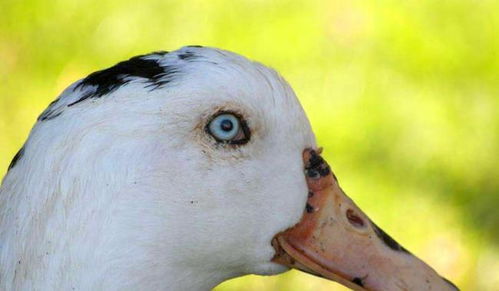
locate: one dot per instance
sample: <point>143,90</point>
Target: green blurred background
<point>403,96</point>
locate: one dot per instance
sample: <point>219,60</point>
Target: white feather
<point>128,191</point>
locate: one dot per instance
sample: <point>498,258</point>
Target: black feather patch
<point>187,56</point>
<point>16,158</point>
<point>110,79</point>
<point>49,112</point>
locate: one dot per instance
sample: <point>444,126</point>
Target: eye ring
<point>227,127</point>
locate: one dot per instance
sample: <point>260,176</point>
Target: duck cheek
<point>336,240</point>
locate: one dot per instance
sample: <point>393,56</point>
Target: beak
<point>337,241</point>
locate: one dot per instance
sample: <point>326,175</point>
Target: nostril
<point>354,219</point>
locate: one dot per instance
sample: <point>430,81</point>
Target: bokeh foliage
<point>403,95</point>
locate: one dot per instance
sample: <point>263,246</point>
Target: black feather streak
<point>187,56</point>
<point>16,158</point>
<point>49,112</point>
<point>110,79</point>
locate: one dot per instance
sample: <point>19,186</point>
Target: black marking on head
<point>358,281</point>
<point>16,158</point>
<point>110,79</point>
<point>187,56</point>
<point>159,53</point>
<point>198,46</point>
<point>317,167</point>
<point>388,240</point>
<point>49,113</point>
<point>450,283</point>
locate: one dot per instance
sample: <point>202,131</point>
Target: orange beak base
<point>337,241</point>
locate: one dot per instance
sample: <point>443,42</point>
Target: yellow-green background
<point>403,95</point>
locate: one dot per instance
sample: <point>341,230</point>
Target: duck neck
<point>104,245</point>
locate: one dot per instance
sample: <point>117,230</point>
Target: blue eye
<point>228,128</point>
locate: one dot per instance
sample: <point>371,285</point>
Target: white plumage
<point>128,191</point>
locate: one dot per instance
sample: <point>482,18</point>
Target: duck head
<point>178,171</point>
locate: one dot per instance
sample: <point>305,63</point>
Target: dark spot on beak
<point>316,167</point>
<point>358,281</point>
<point>388,240</point>
<point>309,208</point>
<point>354,219</point>
<point>311,173</point>
<point>450,283</point>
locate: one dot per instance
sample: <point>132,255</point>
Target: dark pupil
<point>226,125</point>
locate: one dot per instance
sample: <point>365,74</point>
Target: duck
<point>180,170</point>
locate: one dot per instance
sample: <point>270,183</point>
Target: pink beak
<point>337,241</point>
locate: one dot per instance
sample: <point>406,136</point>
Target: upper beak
<point>336,240</point>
